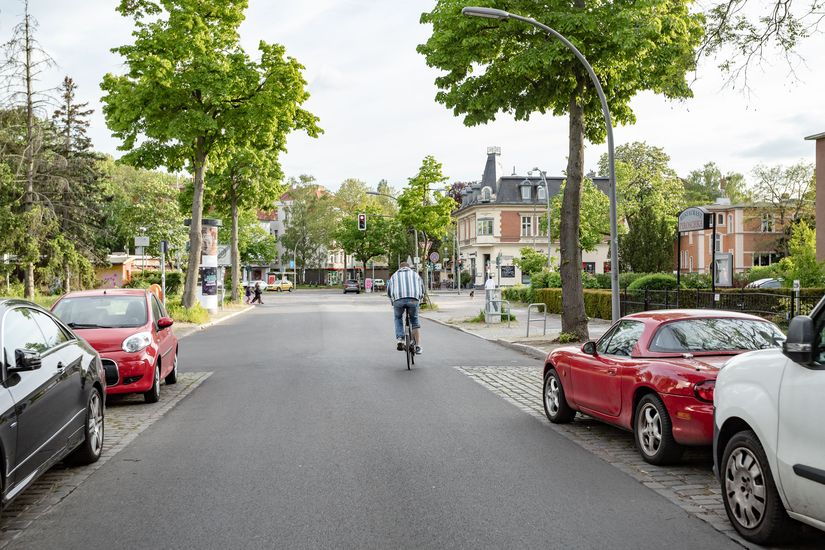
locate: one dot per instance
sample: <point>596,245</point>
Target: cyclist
<point>406,289</point>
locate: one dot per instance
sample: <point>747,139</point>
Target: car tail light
<point>704,390</point>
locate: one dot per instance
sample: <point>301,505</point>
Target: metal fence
<point>777,306</point>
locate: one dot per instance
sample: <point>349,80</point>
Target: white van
<point>769,434</point>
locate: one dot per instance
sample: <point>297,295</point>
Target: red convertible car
<point>653,373</point>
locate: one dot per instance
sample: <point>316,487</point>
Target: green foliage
<point>705,185</point>
<point>530,261</point>
<point>589,280</point>
<point>654,281</point>
<point>695,280</point>
<point>368,244</point>
<point>626,278</point>
<point>545,279</point>
<point>603,280</point>
<point>424,209</point>
<point>174,281</point>
<point>313,221</point>
<point>567,338</point>
<point>648,245</point>
<point>519,293</point>
<point>480,318</point>
<point>195,314</point>
<point>466,278</point>
<point>595,215</point>
<point>762,272</point>
<point>801,264</point>
<point>597,303</point>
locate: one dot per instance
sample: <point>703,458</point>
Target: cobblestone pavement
<point>126,418</point>
<point>690,484</point>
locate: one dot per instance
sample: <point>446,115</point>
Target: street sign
<point>224,256</point>
<point>141,242</point>
<point>695,218</point>
<point>438,267</point>
<point>291,264</point>
<point>434,257</point>
<point>417,260</point>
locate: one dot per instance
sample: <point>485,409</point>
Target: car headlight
<point>136,342</point>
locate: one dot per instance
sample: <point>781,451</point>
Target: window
<point>526,226</point>
<point>767,223</point>
<point>525,193</point>
<point>718,242</point>
<point>157,308</point>
<point>589,267</point>
<point>484,226</point>
<point>542,193</point>
<point>621,339</point>
<point>720,219</point>
<point>52,332</point>
<point>20,331</point>
<point>765,258</point>
<point>486,194</point>
<point>730,223</point>
<point>720,334</point>
<point>103,311</point>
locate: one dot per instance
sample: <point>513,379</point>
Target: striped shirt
<point>405,283</point>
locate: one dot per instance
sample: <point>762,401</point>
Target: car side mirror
<point>589,348</point>
<point>798,347</point>
<point>165,322</point>
<point>26,359</point>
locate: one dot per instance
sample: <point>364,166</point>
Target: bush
<point>589,281</point>
<point>597,302</point>
<point>195,314</point>
<point>174,281</point>
<point>466,279</point>
<point>696,280</point>
<point>567,338</point>
<point>625,279</point>
<point>761,272</point>
<point>603,280</point>
<point>545,279</point>
<point>519,293</point>
<point>654,281</point>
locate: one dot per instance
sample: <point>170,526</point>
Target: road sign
<point>695,218</point>
<point>142,242</point>
<point>434,257</point>
<point>224,256</point>
<point>164,246</point>
<point>416,260</point>
<point>438,267</point>
<point>291,264</point>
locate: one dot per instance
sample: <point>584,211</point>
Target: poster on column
<point>209,281</point>
<point>209,245</point>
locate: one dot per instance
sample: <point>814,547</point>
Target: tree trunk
<point>235,253</point>
<point>195,238</point>
<point>573,317</point>
<point>28,285</point>
<point>67,280</point>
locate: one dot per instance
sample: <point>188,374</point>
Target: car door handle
<point>60,365</point>
<point>612,371</point>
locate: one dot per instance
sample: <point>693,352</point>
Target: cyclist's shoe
<point>418,350</point>
<point>400,344</point>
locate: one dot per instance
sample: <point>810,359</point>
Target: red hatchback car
<point>653,373</point>
<point>131,331</point>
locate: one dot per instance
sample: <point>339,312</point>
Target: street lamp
<point>547,196</point>
<point>492,13</point>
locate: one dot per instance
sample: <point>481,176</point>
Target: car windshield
<point>716,335</point>
<point>102,311</point>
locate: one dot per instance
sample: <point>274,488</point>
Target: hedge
<point>174,280</point>
<point>654,281</point>
<point>597,303</point>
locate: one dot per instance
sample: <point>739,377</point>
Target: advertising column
<point>209,264</point>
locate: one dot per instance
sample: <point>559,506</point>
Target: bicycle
<point>409,341</point>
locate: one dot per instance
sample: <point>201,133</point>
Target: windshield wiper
<point>85,325</point>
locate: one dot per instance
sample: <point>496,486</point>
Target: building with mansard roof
<point>500,215</point>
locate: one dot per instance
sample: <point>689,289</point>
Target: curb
<point>213,323</point>
<point>531,351</point>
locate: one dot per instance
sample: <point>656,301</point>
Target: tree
<point>780,25</point>
<point>313,219</point>
<point>425,210</point>
<point>364,245</point>
<point>632,47</point>
<point>255,244</point>
<point>23,63</point>
<point>801,263</point>
<point>595,216</point>
<point>191,92</point>
<point>351,196</point>
<point>250,178</point>
<point>648,247</point>
<point>789,194</point>
<point>705,185</point>
<point>530,261</point>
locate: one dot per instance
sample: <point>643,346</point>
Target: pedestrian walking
<point>258,292</point>
<point>247,294</point>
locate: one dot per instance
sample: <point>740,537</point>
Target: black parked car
<point>51,403</point>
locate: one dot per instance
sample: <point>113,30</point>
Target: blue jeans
<point>398,306</point>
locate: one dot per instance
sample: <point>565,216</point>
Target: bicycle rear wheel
<point>409,346</point>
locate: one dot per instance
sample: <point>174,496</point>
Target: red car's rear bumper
<point>692,419</point>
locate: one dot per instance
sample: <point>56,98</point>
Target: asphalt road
<point>311,433</point>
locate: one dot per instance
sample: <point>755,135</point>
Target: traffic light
<point>362,222</point>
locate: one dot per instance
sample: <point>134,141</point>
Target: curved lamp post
<point>492,13</point>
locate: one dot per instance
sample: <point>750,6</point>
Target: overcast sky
<point>375,96</point>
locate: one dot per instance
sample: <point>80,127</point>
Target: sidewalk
<point>454,311</point>
<point>182,330</point>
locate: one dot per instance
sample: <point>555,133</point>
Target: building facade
<point>501,214</point>
<point>750,232</point>
<point>819,139</point>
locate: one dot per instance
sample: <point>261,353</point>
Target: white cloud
<point>374,96</point>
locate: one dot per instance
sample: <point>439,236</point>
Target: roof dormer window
<point>525,193</point>
<point>486,194</point>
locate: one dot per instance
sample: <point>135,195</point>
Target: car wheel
<point>653,432</point>
<point>555,403</point>
<point>92,446</point>
<point>290,289</point>
<point>172,377</point>
<point>153,395</point>
<point>749,492</point>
